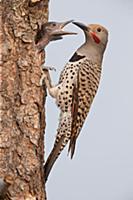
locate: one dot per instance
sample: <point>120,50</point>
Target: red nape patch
<point>96,39</point>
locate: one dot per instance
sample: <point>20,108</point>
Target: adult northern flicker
<point>50,31</point>
<point>76,89</point>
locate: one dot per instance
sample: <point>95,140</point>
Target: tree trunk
<point>22,100</point>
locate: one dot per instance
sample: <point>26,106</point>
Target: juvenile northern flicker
<point>50,31</point>
<point>76,89</point>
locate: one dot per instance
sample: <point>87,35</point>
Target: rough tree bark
<point>22,100</point>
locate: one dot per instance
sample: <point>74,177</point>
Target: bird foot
<point>43,77</point>
<point>45,74</point>
<point>46,68</point>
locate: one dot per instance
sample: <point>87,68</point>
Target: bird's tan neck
<point>91,52</point>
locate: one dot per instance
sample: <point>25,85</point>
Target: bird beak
<point>82,26</point>
<point>59,32</point>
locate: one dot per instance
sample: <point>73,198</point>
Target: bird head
<point>50,31</point>
<point>95,33</point>
<point>55,30</point>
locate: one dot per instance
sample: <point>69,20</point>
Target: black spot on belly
<point>79,113</point>
<point>83,84</point>
<point>83,80</point>
<point>82,109</point>
<point>66,108</point>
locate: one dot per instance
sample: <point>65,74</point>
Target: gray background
<point>102,168</point>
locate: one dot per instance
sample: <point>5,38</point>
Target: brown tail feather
<point>72,145</point>
<point>52,157</point>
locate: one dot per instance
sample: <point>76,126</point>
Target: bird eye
<point>99,29</point>
<point>54,24</point>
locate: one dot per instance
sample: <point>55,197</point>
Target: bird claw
<point>45,74</point>
<point>44,68</point>
<point>43,77</point>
